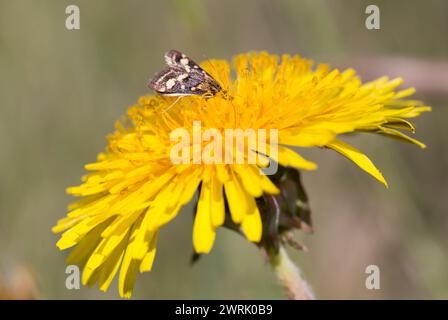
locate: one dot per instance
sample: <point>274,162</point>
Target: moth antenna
<point>172,105</point>
<point>213,66</point>
<point>226,94</point>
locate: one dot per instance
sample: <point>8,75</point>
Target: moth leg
<point>172,105</point>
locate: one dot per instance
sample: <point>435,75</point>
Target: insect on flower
<point>183,77</point>
<point>134,189</point>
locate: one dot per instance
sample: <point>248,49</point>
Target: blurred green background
<point>61,91</point>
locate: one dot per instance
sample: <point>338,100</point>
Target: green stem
<point>289,276</point>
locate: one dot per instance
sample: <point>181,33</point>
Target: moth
<point>183,77</point>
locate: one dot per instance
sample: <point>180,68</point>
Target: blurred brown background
<point>61,91</point>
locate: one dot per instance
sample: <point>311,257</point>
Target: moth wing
<point>158,83</point>
<point>173,57</point>
<point>182,77</point>
<point>176,81</point>
<point>176,58</point>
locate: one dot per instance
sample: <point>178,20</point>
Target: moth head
<point>210,87</point>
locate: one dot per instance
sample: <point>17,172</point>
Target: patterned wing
<point>183,77</point>
<point>175,59</point>
<point>176,82</point>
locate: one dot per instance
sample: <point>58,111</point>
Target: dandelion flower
<point>134,189</point>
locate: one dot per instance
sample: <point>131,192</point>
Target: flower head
<point>134,188</point>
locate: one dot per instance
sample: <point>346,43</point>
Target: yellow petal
<point>110,267</point>
<point>222,173</point>
<point>190,187</point>
<point>150,255</point>
<point>75,234</point>
<point>165,206</point>
<point>203,231</point>
<point>140,244</point>
<point>250,177</point>
<point>66,223</point>
<point>80,254</point>
<point>289,158</point>
<point>102,254</point>
<point>306,137</point>
<point>357,157</point>
<point>121,223</point>
<point>268,186</point>
<point>395,134</point>
<point>129,266</point>
<point>252,226</point>
<point>236,199</point>
<point>217,202</point>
